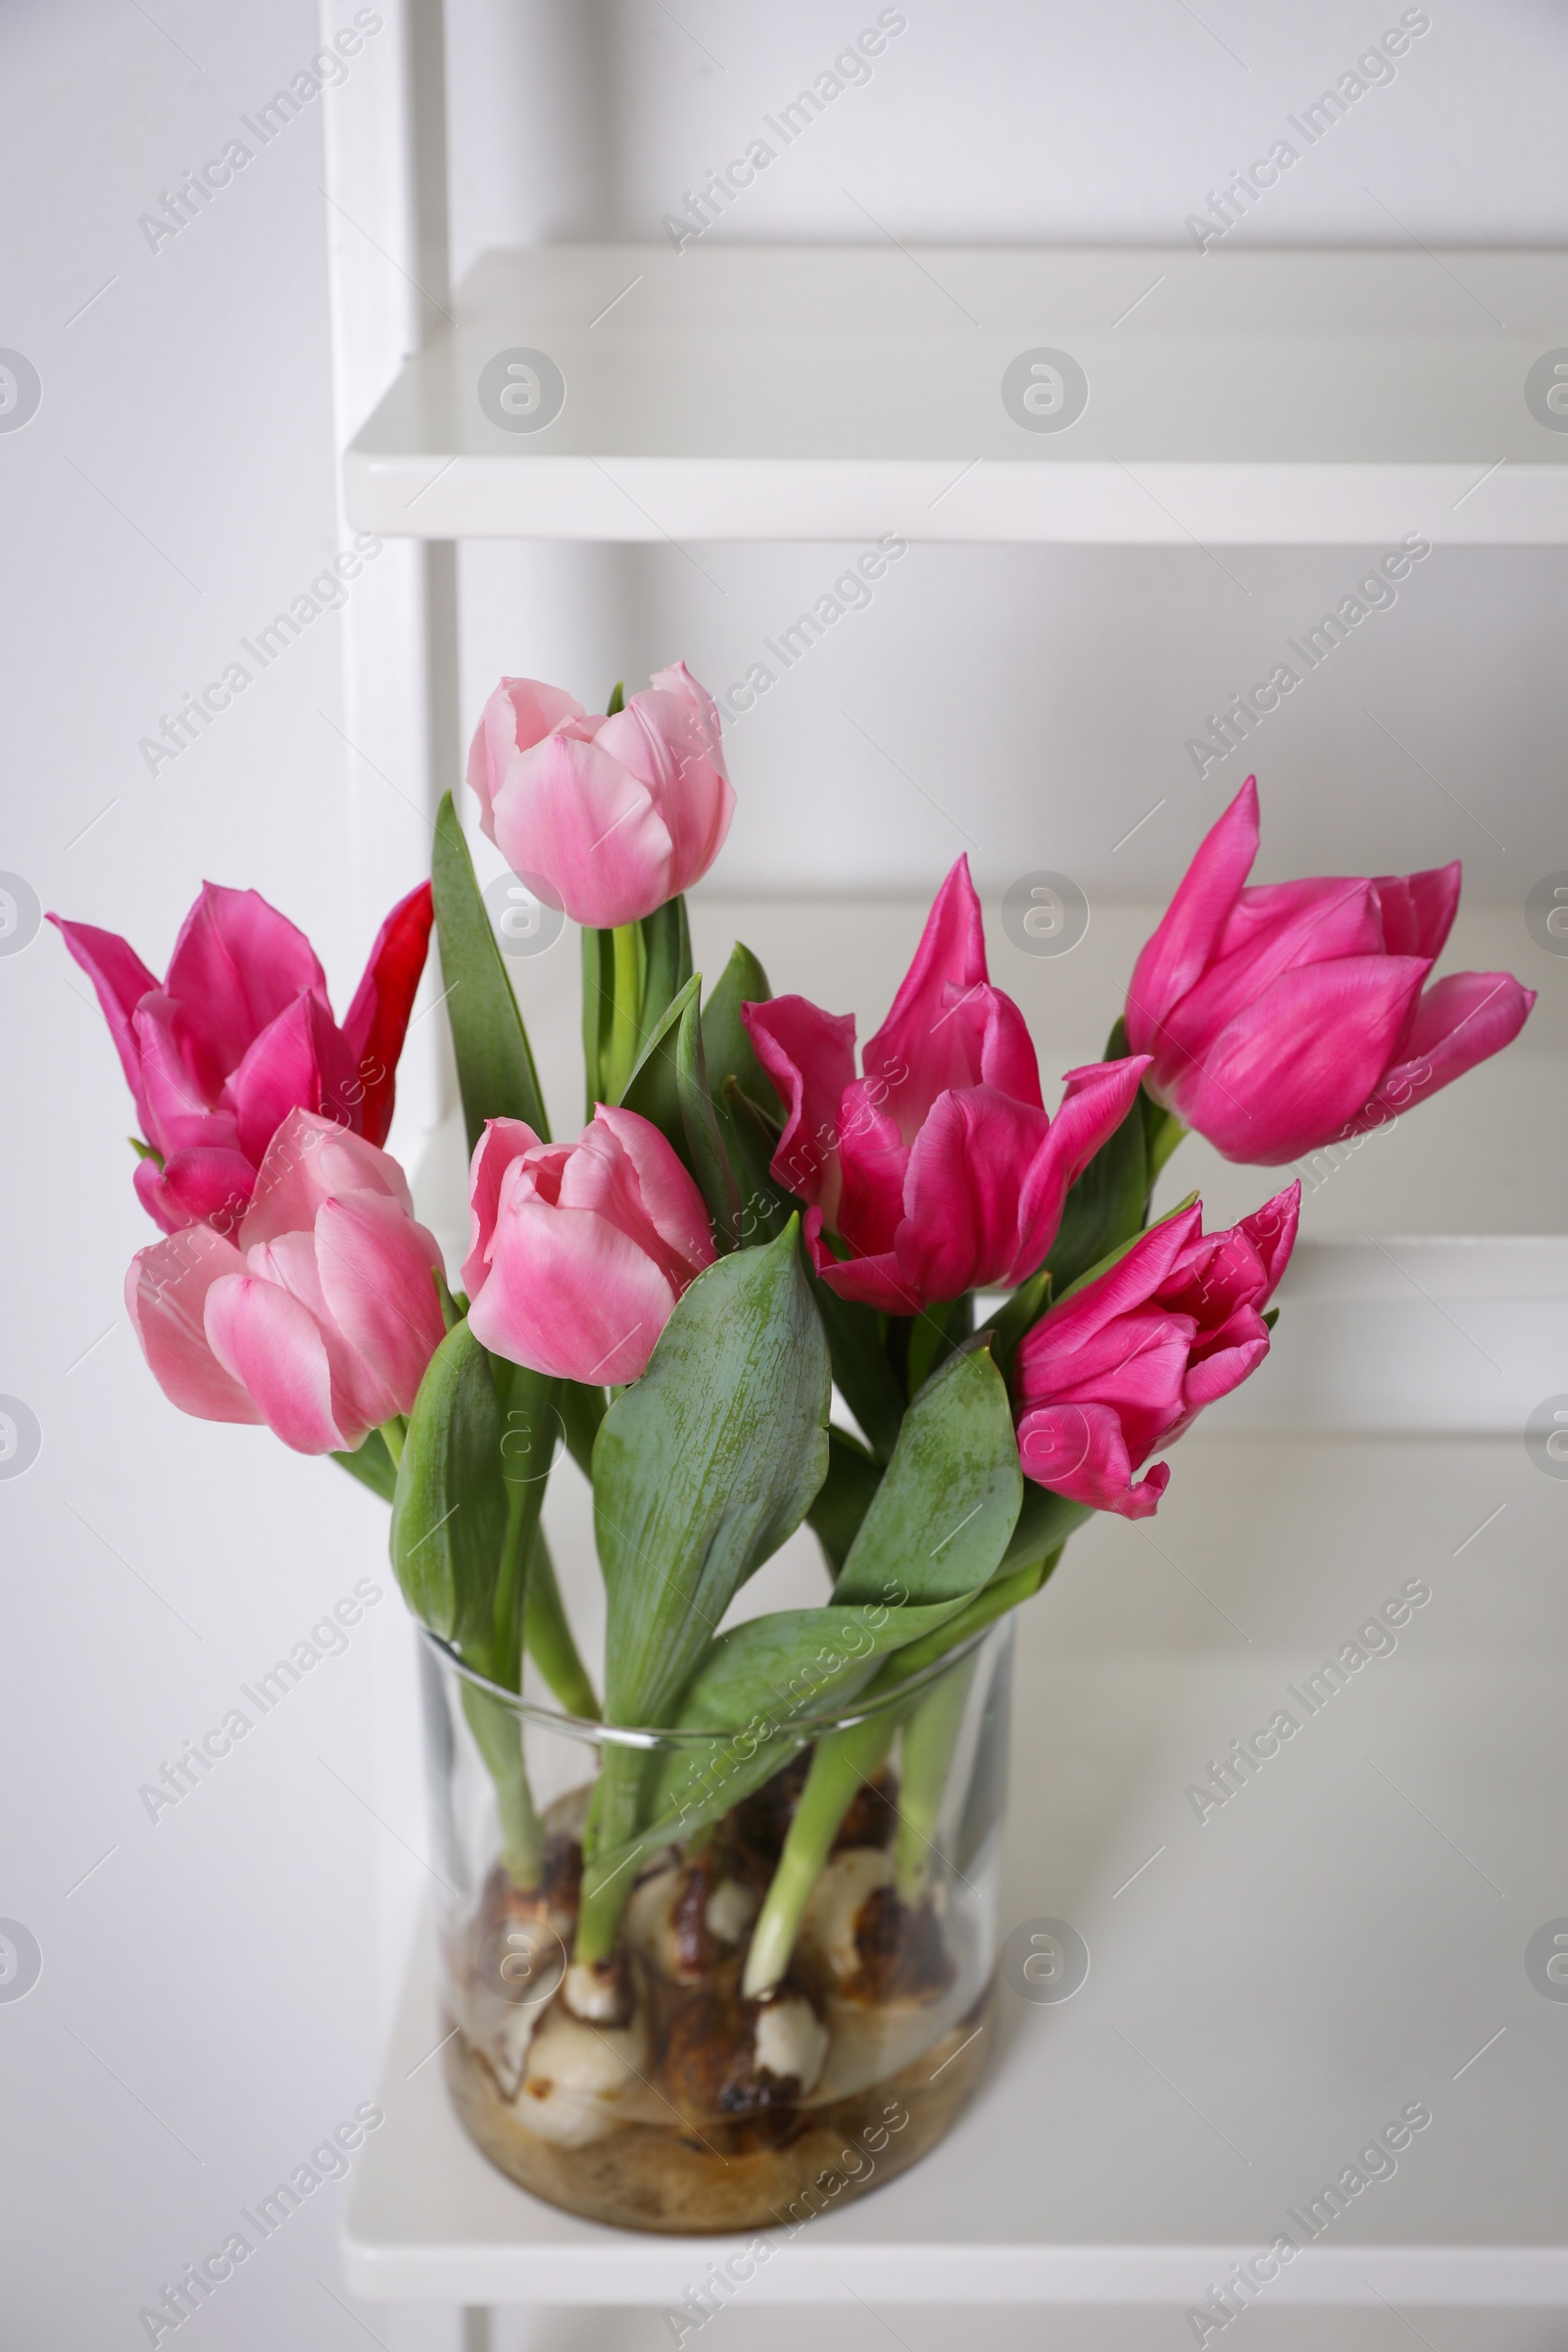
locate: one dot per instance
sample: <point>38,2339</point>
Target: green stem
<point>625,1013</point>
<point>506,1655</point>
<point>844,1758</point>
<point>548,1634</point>
<point>394,1432</point>
<point>842,1761</point>
<point>498,1735</point>
<point>930,1736</point>
<point>617,1795</point>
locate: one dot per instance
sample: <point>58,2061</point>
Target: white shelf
<point>1343,1937</point>
<point>734,392</point>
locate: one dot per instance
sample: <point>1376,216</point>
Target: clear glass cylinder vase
<point>658,2087</point>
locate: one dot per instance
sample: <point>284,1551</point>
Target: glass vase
<point>657,2088</point>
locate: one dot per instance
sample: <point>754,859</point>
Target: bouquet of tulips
<point>906,1304</point>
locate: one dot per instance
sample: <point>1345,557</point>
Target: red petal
<point>377,1020</point>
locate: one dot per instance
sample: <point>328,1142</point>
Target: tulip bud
<point>608,817</point>
<point>938,1167</point>
<point>1123,1366</point>
<point>1291,1015</point>
<point>238,1035</point>
<point>579,1252</point>
<point>318,1319</point>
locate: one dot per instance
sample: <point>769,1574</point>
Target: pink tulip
<point>579,1252</point>
<point>937,1168</point>
<point>240,1034</point>
<point>1123,1365</point>
<point>1291,1015</point>
<point>318,1319</point>
<point>607,817</point>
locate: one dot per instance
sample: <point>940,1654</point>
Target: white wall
<point>208,2008</point>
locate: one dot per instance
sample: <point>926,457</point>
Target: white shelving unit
<point>790,392</point>
<point>1140,2140</point>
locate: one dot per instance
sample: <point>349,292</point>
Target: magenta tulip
<point>937,1169</point>
<point>240,1034</point>
<point>607,817</point>
<point>1124,1365</point>
<point>579,1252</point>
<point>318,1319</point>
<point>1291,1015</point>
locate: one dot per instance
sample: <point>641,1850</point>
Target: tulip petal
<point>1418,909</point>
<point>1056,1349</point>
<point>1078,1450</point>
<point>667,1195</point>
<point>176,1104</point>
<point>377,1021</point>
<point>1275,930</point>
<point>517,715</point>
<point>931,1039</point>
<point>670,742</point>
<point>503,1142</point>
<point>308,1160</point>
<point>376,1268</point>
<point>1177,954</point>
<point>970,1167</point>
<point>873,1164</point>
<point>570,1296</point>
<point>236,964</point>
<point>206,1184</point>
<point>1257,1102</point>
<point>1099,1096</point>
<point>1272,1231</point>
<point>568,812</point>
<point>120,979</point>
<point>299,1061</point>
<point>868,1281</point>
<point>273,1347</point>
<point>166,1298</point>
<point>1460,1021</point>
<point>809,1055</point>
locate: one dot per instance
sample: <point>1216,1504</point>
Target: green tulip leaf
<point>705,1154</point>
<point>653,1089</point>
<point>496,1074</point>
<point>703,1466</point>
<point>843,1498</point>
<point>450,1510</point>
<point>943,1514</point>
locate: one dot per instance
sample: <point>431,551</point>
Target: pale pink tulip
<point>318,1319</point>
<point>607,817</point>
<point>579,1252</point>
